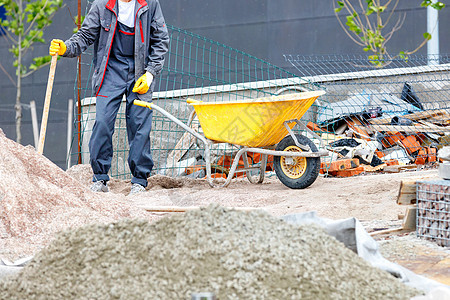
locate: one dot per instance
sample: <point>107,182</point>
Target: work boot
<point>100,186</point>
<point>136,188</point>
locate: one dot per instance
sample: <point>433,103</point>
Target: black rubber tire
<point>312,164</point>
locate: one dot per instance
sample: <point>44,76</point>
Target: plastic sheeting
<point>355,237</point>
<point>9,268</point>
<point>362,103</point>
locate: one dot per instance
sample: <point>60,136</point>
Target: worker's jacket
<point>151,38</point>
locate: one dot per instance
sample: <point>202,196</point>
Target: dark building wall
<point>266,29</point>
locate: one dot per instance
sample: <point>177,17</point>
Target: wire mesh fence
<point>201,69</point>
<point>395,114</point>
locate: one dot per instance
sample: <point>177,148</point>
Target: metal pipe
<point>79,89</point>
<point>433,29</point>
<point>69,131</point>
<point>34,122</point>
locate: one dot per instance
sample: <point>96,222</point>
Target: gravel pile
<point>38,199</point>
<point>234,254</point>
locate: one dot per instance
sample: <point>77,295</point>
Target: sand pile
<point>236,255</point>
<point>37,199</point>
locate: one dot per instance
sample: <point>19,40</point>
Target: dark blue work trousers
<point>119,81</point>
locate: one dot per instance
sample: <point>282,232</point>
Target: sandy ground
<point>367,198</point>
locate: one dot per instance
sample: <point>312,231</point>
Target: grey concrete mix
<point>236,255</point>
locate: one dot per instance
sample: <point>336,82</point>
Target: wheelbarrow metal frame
<point>243,151</point>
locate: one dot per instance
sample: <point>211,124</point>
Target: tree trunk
<point>18,107</point>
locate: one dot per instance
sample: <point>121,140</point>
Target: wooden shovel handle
<point>48,95</point>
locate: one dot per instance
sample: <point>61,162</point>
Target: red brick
<point>392,162</point>
<point>380,154</point>
<point>431,153</point>
<point>391,139</point>
<point>349,172</point>
<point>193,169</point>
<point>421,157</point>
<point>314,126</point>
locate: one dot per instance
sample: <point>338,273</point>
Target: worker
<point>130,40</point>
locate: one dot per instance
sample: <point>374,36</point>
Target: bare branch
<point>7,74</point>
<point>365,15</point>
<point>420,46</point>
<point>357,15</point>
<point>10,37</point>
<point>396,27</point>
<point>392,12</point>
<point>71,16</point>
<point>345,29</point>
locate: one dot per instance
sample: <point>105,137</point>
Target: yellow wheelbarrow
<point>262,125</point>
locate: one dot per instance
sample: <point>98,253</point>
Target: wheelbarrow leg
<point>208,164</point>
<point>262,170</point>
<point>230,174</point>
<point>208,168</point>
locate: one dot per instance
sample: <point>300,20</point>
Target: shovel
<point>48,94</point>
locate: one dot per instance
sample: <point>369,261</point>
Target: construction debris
<point>235,255</point>
<point>386,129</point>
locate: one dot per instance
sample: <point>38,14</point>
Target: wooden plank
<point>426,114</point>
<point>410,129</point>
<point>386,231</point>
<point>380,121</point>
<point>398,168</point>
<point>189,208</point>
<point>439,114</point>
<point>407,192</point>
<point>429,124</point>
<point>409,222</point>
<point>440,120</point>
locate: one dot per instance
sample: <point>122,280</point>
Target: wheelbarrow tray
<point>252,123</point>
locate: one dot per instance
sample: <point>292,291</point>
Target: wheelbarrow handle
<point>142,103</point>
<point>192,101</point>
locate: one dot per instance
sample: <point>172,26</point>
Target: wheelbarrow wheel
<point>296,172</point>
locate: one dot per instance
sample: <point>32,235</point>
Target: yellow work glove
<point>143,83</point>
<point>57,47</point>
